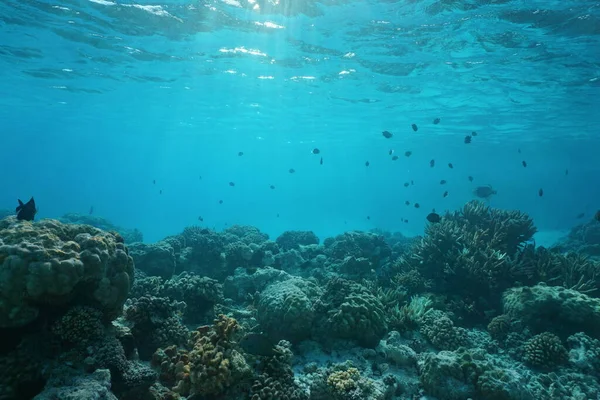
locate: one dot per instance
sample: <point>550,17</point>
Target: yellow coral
<point>343,381</point>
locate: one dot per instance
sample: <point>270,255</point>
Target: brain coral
<point>50,263</point>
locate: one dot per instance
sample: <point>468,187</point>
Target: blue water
<point>98,99</point>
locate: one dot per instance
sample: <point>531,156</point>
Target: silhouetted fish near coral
<point>470,178</point>
<point>200,219</point>
<point>524,163</point>
<point>26,211</point>
<point>272,186</point>
<point>291,170</point>
<point>258,345</point>
<point>240,153</point>
<point>443,182</point>
<point>541,192</point>
<point>450,165</point>
<point>407,203</point>
<point>367,164</point>
<point>316,151</point>
<point>408,153</point>
<point>473,133</point>
<point>467,139</point>
<point>231,184</point>
<point>91,210</point>
<point>432,163</point>
<point>434,218</point>
<point>597,215</point>
<point>414,127</point>
<point>436,121</point>
<point>321,162</point>
<point>445,194</point>
<point>484,192</point>
<point>406,184</point>
<point>417,205</point>
<point>394,158</point>
<point>387,134</point>
<point>580,215</point>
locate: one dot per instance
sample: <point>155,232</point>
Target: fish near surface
<point>26,211</point>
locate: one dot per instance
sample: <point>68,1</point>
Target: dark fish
<point>321,162</point>
<point>220,201</point>
<point>394,158</point>
<point>258,345</point>
<point>467,139</point>
<point>277,215</point>
<point>391,152</point>
<point>580,215</point>
<point>415,127</point>
<point>240,153</point>
<point>434,218</point>
<point>408,153</point>
<point>368,217</point>
<point>432,163</point>
<point>316,151</point>
<point>406,221</point>
<point>200,219</point>
<point>436,121</point>
<point>387,134</point>
<point>450,165</point>
<point>473,133</point>
<point>154,181</point>
<point>566,172</point>
<point>445,194</point>
<point>443,182</point>
<point>26,211</point>
<point>232,184</point>
<point>200,177</point>
<point>597,215</point>
<point>524,163</point>
<point>470,178</point>
<point>91,210</point>
<point>272,186</point>
<point>406,184</point>
<point>160,191</point>
<point>519,150</point>
<point>484,192</point>
<point>541,192</point>
<point>407,203</point>
<point>291,170</point>
<point>417,205</point>
<point>367,164</point>
<point>412,182</point>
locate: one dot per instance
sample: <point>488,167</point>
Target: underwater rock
<point>242,284</point>
<point>129,235</point>
<point>289,240</point>
<point>156,259</point>
<point>57,265</point>
<point>395,351</point>
<point>245,234</point>
<point>94,386</point>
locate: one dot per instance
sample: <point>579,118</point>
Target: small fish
<point>432,163</point>
<point>436,121</point>
<point>541,192</point>
<point>406,184</point>
<point>407,203</point>
<point>316,151</point>
<point>26,211</point>
<point>450,165</point>
<point>258,345</point>
<point>367,164</point>
<point>387,134</point>
<point>160,191</point>
<point>231,184</point>
<point>473,133</point>
<point>220,201</point>
<point>434,218</point>
<point>368,217</point>
<point>154,182</point>
<point>443,182</point>
<point>414,127</point>
<point>484,192</point>
<point>412,182</point>
<point>321,162</point>
<point>445,194</point>
<point>200,177</point>
<point>597,215</point>
<point>408,153</point>
<point>240,153</point>
<point>406,221</point>
<point>91,210</point>
<point>524,163</point>
<point>417,205</point>
<point>272,186</point>
<point>291,170</point>
<point>470,178</point>
<point>394,158</point>
<point>277,215</point>
<point>467,139</point>
<point>580,215</point>
<point>566,172</point>
<point>519,150</point>
<point>200,219</point>
<point>391,152</point>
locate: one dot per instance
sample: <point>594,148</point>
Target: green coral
<point>51,263</point>
<point>545,351</point>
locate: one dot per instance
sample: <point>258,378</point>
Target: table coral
<point>51,263</point>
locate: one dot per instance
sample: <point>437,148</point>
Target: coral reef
<point>129,235</point>
<point>292,240</point>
